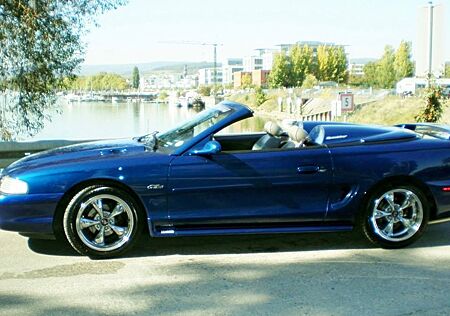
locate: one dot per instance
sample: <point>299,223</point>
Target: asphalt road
<point>312,274</point>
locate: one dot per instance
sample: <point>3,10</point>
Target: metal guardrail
<point>11,151</point>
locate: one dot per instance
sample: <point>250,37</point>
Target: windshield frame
<point>428,129</point>
<point>233,112</point>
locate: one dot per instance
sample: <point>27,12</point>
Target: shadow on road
<point>437,235</point>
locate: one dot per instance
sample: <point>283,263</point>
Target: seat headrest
<point>273,128</point>
<point>317,135</point>
<point>286,123</point>
<point>297,134</point>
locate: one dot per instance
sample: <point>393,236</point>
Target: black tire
<point>395,216</point>
<point>102,234</point>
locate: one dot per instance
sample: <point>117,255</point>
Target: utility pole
<point>430,40</point>
<point>215,69</point>
<point>214,45</point>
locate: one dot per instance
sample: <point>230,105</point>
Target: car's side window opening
<point>274,138</point>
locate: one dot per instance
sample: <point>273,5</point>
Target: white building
<point>206,76</point>
<point>267,55</point>
<point>356,69</point>
<point>433,35</point>
<point>230,66</point>
<point>251,63</point>
<point>167,81</point>
<point>411,85</point>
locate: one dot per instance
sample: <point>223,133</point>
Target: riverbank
<point>372,108</point>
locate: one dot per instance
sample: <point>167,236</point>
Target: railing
<point>11,151</point>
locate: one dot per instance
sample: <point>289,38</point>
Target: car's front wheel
<point>102,222</point>
<point>395,216</point>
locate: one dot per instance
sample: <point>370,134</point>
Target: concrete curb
<point>11,151</point>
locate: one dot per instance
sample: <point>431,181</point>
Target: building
<point>251,63</point>
<point>229,67</point>
<point>316,44</point>
<point>268,58</point>
<point>263,58</point>
<point>284,47</point>
<point>311,44</point>
<point>239,76</point>
<point>259,77</point>
<point>430,48</point>
<point>267,55</point>
<point>356,69</point>
<point>206,76</point>
<point>356,66</point>
<point>167,81</point>
<point>411,85</point>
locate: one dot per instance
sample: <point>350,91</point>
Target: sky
<point>136,33</point>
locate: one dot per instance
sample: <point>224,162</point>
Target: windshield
<point>433,131</point>
<point>179,135</point>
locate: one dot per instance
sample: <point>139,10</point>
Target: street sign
<point>346,102</point>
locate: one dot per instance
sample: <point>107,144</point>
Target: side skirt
<point>185,230</point>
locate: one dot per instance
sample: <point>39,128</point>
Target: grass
<point>393,110</point>
<point>387,111</point>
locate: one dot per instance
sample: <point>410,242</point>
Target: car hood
<point>77,153</point>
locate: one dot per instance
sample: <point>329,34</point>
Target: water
<point>102,120</point>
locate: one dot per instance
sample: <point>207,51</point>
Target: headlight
<point>10,185</point>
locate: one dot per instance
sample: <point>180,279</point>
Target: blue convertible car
<point>387,182</point>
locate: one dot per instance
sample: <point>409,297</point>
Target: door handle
<point>309,169</point>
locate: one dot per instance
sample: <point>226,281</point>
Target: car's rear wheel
<point>102,222</point>
<point>395,216</point>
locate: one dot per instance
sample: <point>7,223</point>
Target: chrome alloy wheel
<point>397,215</point>
<point>104,222</point>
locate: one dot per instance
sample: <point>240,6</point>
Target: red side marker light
<point>446,189</point>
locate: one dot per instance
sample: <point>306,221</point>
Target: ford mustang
<point>386,182</point>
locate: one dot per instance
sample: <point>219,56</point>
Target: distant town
<point>230,72</point>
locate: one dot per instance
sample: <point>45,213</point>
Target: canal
<point>102,120</point>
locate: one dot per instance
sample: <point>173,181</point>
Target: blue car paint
<point>317,188</point>
<point>249,187</point>
<point>57,171</point>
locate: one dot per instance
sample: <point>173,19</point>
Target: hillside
<point>393,110</point>
<point>145,68</point>
<point>387,111</point>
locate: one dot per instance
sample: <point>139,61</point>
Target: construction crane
<point>214,45</point>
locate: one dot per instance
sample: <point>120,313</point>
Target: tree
<point>163,95</point>
<point>302,61</point>
<point>447,70</point>
<point>281,73</point>
<point>204,90</point>
<point>100,82</point>
<point>386,69</point>
<point>40,47</point>
<point>331,63</point>
<point>403,65</point>
<point>356,80</point>
<point>246,81</point>
<point>260,96</point>
<point>135,78</point>
<point>433,109</point>
<point>371,74</point>
<point>310,81</point>
<point>390,68</point>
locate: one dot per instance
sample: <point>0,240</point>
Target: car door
<point>251,187</point>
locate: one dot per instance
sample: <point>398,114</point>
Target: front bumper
<point>28,213</point>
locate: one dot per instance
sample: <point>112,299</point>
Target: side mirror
<point>212,147</point>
